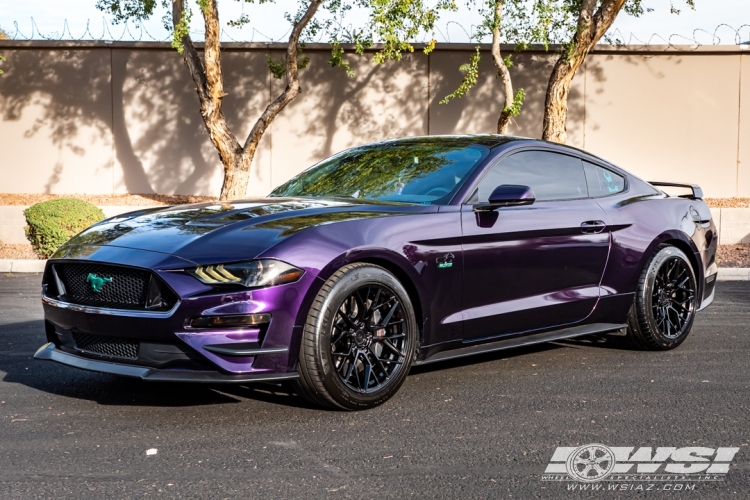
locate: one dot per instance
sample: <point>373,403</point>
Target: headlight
<point>252,274</point>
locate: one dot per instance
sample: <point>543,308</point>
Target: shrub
<point>52,223</point>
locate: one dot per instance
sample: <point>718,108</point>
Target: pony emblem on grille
<point>97,282</point>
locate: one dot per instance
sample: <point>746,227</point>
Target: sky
<point>712,22</point>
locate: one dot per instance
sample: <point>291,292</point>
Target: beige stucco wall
<point>670,118</point>
<point>118,118</point>
<point>743,154</point>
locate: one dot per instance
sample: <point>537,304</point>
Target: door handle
<point>593,226</point>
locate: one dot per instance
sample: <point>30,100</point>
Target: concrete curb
<point>734,274</point>
<point>37,266</point>
<point>21,266</point>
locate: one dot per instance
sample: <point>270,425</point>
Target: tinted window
<point>425,172</point>
<point>602,182</point>
<point>551,176</point>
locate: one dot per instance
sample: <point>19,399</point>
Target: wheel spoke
<point>388,316</point>
<point>392,347</point>
<point>352,363</point>
<point>392,337</point>
<point>374,302</point>
<point>368,371</point>
<point>365,361</point>
<point>360,307</point>
<point>338,339</point>
<point>379,363</point>
<point>346,319</point>
<point>672,297</point>
<point>601,470</point>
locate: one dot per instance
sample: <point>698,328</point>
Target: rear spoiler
<point>696,189</point>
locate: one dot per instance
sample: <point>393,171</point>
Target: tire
<point>665,302</point>
<point>350,360</point>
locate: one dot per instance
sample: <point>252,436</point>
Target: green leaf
<point>515,108</point>
<point>181,30</point>
<point>277,67</point>
<point>337,59</point>
<point>471,75</point>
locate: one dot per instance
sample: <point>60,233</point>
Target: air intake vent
<point>106,346</point>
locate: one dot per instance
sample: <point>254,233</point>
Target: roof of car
<point>489,140</point>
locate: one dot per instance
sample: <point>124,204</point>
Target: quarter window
<point>551,176</point>
<point>602,182</point>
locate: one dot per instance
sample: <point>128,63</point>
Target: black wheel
<point>359,339</point>
<point>665,302</point>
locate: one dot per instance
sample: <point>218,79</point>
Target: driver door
<point>535,266</point>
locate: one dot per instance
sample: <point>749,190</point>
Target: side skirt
<point>522,340</point>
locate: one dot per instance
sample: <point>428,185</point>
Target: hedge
<point>52,223</point>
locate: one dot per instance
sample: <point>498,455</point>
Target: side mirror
<point>507,195</point>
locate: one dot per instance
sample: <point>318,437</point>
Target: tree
<point>392,22</point>
<point>594,19</point>
<point>3,36</point>
<point>519,22</point>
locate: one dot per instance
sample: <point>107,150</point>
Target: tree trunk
<point>236,178</point>
<point>591,27</point>
<point>556,101</point>
<point>502,70</point>
<point>237,159</point>
<point>503,122</point>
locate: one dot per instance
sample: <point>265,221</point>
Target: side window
<point>552,176</point>
<point>602,182</point>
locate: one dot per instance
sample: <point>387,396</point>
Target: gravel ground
<point>733,256</point>
<point>728,202</point>
<point>18,252</point>
<point>481,427</point>
<point>106,200</point>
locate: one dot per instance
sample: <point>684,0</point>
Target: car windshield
<point>424,172</point>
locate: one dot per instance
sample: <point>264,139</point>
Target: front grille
<point>121,287</point>
<point>106,346</point>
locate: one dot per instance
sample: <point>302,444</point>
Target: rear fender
<point>685,243</point>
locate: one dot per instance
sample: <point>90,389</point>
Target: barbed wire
<point>737,36</point>
<point>723,34</point>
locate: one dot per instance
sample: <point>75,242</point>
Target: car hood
<point>227,231</point>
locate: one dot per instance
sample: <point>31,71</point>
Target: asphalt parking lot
<point>483,427</point>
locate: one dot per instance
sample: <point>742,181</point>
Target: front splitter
<point>51,353</point>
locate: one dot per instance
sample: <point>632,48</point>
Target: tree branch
<point>292,89</point>
<point>214,78</point>
<point>208,80</point>
<point>605,16</point>
<point>190,55</point>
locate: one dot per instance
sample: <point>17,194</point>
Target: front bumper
<point>50,352</point>
<point>168,348</point>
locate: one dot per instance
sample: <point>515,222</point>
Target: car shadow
<point>598,341</point>
<point>19,342</point>
<point>483,358</point>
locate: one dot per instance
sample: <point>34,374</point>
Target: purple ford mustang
<point>381,257</point>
